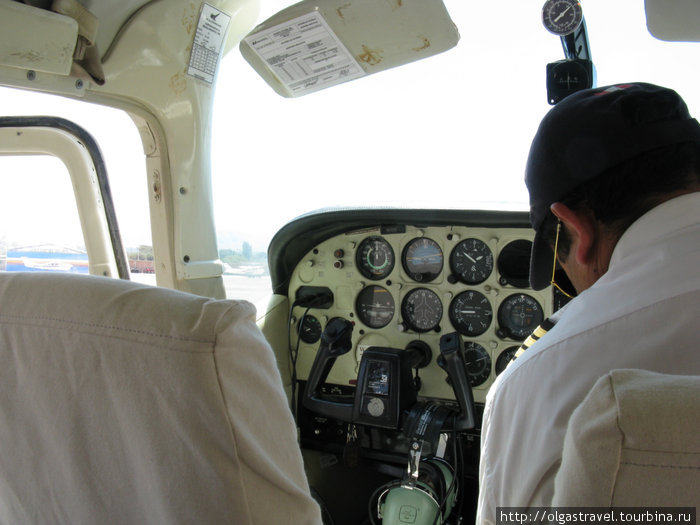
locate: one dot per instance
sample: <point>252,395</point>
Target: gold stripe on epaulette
<point>536,334</point>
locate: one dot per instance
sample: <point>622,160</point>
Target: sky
<point>452,130</point>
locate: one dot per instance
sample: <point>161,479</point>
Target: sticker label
<point>305,54</point>
<point>208,41</point>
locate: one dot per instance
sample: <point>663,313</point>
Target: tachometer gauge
<point>562,17</point>
<point>518,315</point>
<point>309,329</point>
<point>478,363</point>
<point>422,259</point>
<point>375,258</point>
<point>504,358</point>
<point>471,313</point>
<point>421,310</point>
<point>375,306</point>
<point>471,261</point>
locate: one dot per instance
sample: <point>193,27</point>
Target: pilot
<point>614,180</point>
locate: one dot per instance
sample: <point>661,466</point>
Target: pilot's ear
<point>582,228</point>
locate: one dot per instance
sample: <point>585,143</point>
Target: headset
<point>427,500</point>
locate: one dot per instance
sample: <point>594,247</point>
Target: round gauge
<point>478,363</point>
<point>422,259</point>
<point>518,315</point>
<point>514,263</point>
<point>471,261</point>
<point>566,77</point>
<point>504,358</point>
<point>375,306</point>
<point>422,310</point>
<point>471,313</point>
<point>562,17</point>
<point>309,329</point>
<point>375,258</point>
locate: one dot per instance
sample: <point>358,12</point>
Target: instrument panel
<point>403,285</point>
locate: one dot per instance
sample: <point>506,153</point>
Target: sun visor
<point>49,45</point>
<point>316,44</point>
<point>673,20</point>
<point>60,41</point>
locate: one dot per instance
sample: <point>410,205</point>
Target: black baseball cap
<point>588,133</point>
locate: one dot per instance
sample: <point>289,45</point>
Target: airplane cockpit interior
<point>354,168</point>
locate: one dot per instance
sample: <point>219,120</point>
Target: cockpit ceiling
<point>111,16</point>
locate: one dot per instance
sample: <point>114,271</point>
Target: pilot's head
<point>602,158</point>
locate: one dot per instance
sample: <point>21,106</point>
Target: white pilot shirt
<point>644,312</point>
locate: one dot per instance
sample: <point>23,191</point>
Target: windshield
<point>450,131</point>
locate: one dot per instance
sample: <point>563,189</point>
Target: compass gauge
<point>422,310</point>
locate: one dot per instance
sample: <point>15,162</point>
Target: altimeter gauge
<point>471,261</point>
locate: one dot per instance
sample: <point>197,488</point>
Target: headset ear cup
<point>427,500</point>
<point>431,477</point>
<point>410,505</point>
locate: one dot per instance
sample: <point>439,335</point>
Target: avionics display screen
<point>378,378</point>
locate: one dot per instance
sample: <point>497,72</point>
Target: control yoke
<point>451,360</point>
<point>335,341</point>
<point>385,387</point>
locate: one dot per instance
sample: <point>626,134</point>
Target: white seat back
<point>124,403</point>
<point>633,442</point>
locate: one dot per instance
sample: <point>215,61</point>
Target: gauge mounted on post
<point>562,17</point>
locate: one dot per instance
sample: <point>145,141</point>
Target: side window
<point>57,208</point>
<point>39,223</point>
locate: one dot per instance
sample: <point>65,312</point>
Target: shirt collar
<point>673,215</point>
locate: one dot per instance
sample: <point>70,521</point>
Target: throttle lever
<point>451,360</point>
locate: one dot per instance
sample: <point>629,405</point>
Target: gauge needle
<point>562,14</point>
<point>467,311</point>
<point>469,257</point>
